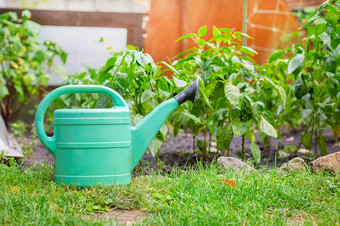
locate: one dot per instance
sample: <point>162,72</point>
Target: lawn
<point>193,197</point>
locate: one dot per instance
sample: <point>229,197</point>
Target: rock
<point>234,163</point>
<point>329,163</point>
<point>8,144</point>
<point>296,164</point>
<point>290,139</point>
<point>304,151</point>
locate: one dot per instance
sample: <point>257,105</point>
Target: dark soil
<point>179,151</point>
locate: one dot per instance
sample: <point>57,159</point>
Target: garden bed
<point>179,150</point>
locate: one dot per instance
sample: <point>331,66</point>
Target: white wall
<point>137,6</point>
<point>83,46</point>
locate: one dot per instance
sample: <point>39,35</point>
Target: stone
<point>329,163</point>
<point>234,163</point>
<point>304,151</point>
<point>8,144</point>
<point>124,217</point>
<point>295,164</point>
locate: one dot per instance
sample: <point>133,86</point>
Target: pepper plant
<point>24,64</point>
<point>231,91</point>
<point>315,74</point>
<point>136,77</point>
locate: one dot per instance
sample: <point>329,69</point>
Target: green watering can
<point>98,146</point>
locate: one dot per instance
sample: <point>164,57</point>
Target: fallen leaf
<point>13,189</point>
<point>228,182</point>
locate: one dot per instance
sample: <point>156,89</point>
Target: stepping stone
<point>124,217</point>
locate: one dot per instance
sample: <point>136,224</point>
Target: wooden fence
<point>131,21</point>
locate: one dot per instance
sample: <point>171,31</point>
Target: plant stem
<point>218,150</point>
<point>242,153</point>
<point>205,144</point>
<point>209,145</point>
<point>157,162</point>
<point>306,131</point>
<point>312,132</point>
<point>316,135</point>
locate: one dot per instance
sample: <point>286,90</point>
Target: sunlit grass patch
<point>197,196</point>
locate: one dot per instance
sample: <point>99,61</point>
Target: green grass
<point>195,197</point>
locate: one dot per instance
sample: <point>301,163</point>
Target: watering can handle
<point>49,142</point>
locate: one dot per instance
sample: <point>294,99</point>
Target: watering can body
<point>92,146</point>
<point>98,146</point>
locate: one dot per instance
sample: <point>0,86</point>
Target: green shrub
<point>24,64</point>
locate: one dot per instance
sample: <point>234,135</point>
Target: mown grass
<point>194,197</point>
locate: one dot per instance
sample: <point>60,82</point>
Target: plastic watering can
<point>98,146</point>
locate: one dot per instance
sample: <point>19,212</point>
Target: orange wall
<point>170,19</point>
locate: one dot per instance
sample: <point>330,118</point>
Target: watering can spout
<point>143,134</point>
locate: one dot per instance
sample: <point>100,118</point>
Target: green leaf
<point>276,55</point>
<point>325,38</point>
<point>147,95</point>
<point>26,14</point>
<point>335,43</point>
<point>240,128</point>
<point>135,119</point>
<point>103,77</point>
<point>202,31</point>
<point>225,137</point>
<point>323,145</point>
<point>192,35</point>
<point>43,78</point>
<point>20,91</point>
<point>216,34</point>
<point>163,132</point>
<point>32,27</point>
<point>170,67</point>
<point>306,112</point>
<point>250,135</point>
<point>141,59</point>
<point>332,17</point>
<point>28,78</point>
<point>247,50</point>
<point>296,63</point>
<point>205,98</point>
<point>233,95</point>
<point>337,29</point>
<point>315,15</point>
<point>319,29</point>
<point>191,116</point>
<point>282,94</point>
<point>3,91</point>
<point>179,83</point>
<point>267,128</point>
<point>255,150</point>
<point>154,146</point>
<point>216,120</point>
<point>306,140</point>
